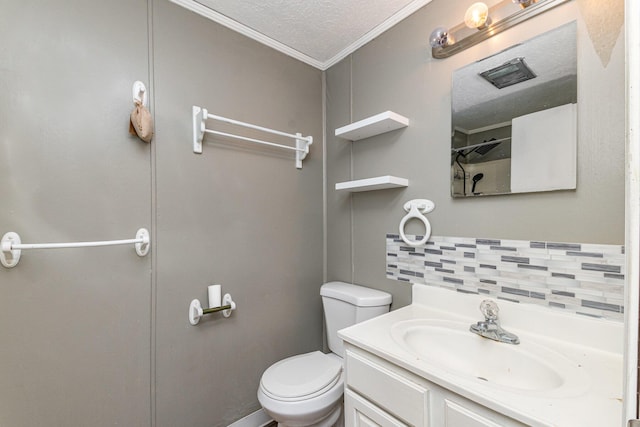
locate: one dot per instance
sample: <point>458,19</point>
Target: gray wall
<point>100,336</point>
<point>237,215</point>
<point>74,324</point>
<point>396,72</point>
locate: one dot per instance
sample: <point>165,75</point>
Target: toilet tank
<point>345,304</point>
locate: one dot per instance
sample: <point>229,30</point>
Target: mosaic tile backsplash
<point>583,278</point>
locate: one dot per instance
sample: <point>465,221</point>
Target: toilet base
<point>334,419</point>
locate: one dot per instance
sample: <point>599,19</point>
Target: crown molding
<point>221,19</point>
<point>376,31</point>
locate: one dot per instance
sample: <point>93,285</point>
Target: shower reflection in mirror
<point>514,119</point>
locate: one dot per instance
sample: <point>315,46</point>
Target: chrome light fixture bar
<point>501,17</point>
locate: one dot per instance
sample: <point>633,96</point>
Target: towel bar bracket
<point>142,247</point>
<point>10,257</point>
<point>302,149</point>
<point>199,117</point>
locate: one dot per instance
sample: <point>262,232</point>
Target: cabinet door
<point>390,388</point>
<point>359,412</point>
<point>459,416</point>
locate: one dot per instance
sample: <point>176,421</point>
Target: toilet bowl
<point>303,390</point>
<point>306,390</point>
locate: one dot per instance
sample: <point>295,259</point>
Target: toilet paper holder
<point>196,311</point>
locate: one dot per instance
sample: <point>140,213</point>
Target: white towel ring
<point>416,208</point>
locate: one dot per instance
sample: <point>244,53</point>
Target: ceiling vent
<point>509,73</point>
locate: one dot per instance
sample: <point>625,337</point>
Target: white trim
<point>205,11</point>
<point>325,202</point>
<point>490,127</point>
<point>482,129</point>
<point>256,419</point>
<point>632,206</point>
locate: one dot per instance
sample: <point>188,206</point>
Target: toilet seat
<point>301,377</point>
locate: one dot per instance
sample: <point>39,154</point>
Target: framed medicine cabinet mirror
<point>513,119</point>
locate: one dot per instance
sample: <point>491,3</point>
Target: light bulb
<point>440,37</point>
<point>477,16</point>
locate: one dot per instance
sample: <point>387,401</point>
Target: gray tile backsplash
<point>586,279</point>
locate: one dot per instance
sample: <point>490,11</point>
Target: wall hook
<point>140,93</point>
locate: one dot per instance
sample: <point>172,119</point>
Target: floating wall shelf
<point>371,126</point>
<point>370,184</point>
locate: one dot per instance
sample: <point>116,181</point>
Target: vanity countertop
<point>593,346</point>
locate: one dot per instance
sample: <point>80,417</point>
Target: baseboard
<point>256,419</point>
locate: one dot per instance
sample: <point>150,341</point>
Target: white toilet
<point>306,390</point>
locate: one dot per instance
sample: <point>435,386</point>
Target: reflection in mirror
<point>514,119</point>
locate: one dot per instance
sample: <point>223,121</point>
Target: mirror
<point>513,119</point>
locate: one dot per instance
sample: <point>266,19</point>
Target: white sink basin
<point>527,367</point>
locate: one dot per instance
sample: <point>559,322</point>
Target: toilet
<point>306,390</point>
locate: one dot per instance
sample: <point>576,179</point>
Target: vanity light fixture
<point>524,3</point>
<point>482,22</point>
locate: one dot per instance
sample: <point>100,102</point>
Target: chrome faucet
<point>490,328</point>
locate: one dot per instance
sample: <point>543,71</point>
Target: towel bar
<point>11,246</point>
<point>200,115</point>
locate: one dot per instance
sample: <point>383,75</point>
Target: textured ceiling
<point>552,56</point>
<point>319,32</point>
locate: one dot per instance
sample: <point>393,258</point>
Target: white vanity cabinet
<point>420,366</point>
<point>379,393</point>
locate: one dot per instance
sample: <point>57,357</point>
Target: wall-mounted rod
<point>200,116</point>
<point>196,311</point>
<point>11,246</point>
<point>260,128</point>
<point>259,141</point>
<point>216,309</point>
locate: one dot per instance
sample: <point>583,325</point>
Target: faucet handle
<point>489,309</point>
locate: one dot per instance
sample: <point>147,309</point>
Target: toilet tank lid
<point>354,294</point>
